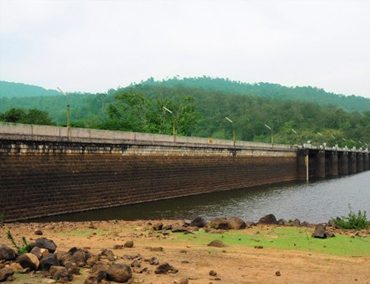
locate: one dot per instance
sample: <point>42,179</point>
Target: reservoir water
<point>313,202</point>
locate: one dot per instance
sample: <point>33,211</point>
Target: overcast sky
<point>95,45</point>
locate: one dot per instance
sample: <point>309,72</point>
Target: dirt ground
<point>193,260</point>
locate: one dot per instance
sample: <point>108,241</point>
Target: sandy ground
<point>194,261</point>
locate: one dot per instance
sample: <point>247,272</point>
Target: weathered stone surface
<point>236,223</point>
<point>39,252</point>
<point>282,222</point>
<point>47,244</point>
<point>216,243</point>
<point>6,253</point>
<point>165,268</point>
<point>198,222</point>
<point>28,260</point>
<point>219,224</point>
<point>268,219</point>
<point>49,260</point>
<point>5,273</point>
<point>119,273</point>
<point>60,272</point>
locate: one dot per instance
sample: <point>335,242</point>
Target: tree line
<point>158,107</point>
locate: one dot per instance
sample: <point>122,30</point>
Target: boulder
<point>236,223</point>
<point>79,257</point>
<point>119,273</point>
<point>60,273</point>
<point>6,253</point>
<point>49,260</point>
<point>219,224</point>
<point>296,223</point>
<point>165,268</point>
<point>269,219</point>
<point>198,222</point>
<point>47,244</point>
<point>282,222</point>
<point>216,243</point>
<point>5,273</point>
<point>28,260</point>
<point>321,232</point>
<point>39,252</point>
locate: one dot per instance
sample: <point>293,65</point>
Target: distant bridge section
<point>47,170</point>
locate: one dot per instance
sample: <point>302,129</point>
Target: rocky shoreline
<point>43,257</point>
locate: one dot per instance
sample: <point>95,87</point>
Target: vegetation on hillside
<point>198,107</point>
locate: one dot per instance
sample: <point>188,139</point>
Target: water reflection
<point>313,202</point>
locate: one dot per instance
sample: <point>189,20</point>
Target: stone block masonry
<point>42,178</point>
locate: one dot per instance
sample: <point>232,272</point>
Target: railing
<point>41,132</point>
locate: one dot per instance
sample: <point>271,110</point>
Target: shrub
<point>25,246</point>
<point>352,221</point>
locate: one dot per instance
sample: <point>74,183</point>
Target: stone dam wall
<point>43,175</point>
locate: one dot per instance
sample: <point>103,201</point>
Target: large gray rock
<point>28,260</point>
<point>5,273</point>
<point>48,261</point>
<point>219,224</point>
<point>47,244</point>
<point>269,219</point>
<point>236,223</point>
<point>6,253</point>
<point>119,273</point>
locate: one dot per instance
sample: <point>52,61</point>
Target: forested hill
<point>10,89</point>
<point>303,94</point>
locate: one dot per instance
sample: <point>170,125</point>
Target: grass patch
<point>83,233</point>
<point>286,238</point>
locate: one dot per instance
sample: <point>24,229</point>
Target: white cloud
<point>97,45</point>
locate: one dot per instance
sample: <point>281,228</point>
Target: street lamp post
<point>272,135</point>
<point>174,121</point>
<point>232,122</point>
<point>68,114</point>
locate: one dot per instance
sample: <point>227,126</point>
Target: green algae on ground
<point>286,238</point>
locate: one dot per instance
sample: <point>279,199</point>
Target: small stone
<point>129,244</point>
<point>184,281</point>
<point>38,232</point>
<point>216,243</point>
<point>213,273</point>
<point>165,268</point>
<point>277,273</point>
